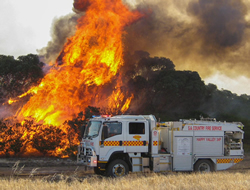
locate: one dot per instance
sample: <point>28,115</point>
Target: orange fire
<point>90,58</point>
<point>87,64</point>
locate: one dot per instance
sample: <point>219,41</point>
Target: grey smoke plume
<point>62,28</point>
<point>201,35</point>
<point>221,22</point>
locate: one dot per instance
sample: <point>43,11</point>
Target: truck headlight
<point>89,160</point>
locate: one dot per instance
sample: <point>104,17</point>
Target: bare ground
<point>41,167</point>
<point>26,167</point>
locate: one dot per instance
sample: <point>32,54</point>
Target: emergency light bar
<point>103,116</point>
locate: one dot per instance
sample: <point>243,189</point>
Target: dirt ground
<point>26,167</point>
<point>40,167</point>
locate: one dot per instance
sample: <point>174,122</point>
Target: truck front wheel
<point>204,166</point>
<point>117,168</point>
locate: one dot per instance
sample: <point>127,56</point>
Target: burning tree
<point>85,73</point>
<point>89,60</point>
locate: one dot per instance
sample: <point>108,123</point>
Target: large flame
<point>88,61</point>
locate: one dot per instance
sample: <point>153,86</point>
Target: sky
<point>25,24</point>
<point>25,28</point>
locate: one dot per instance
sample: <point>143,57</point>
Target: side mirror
<point>104,132</point>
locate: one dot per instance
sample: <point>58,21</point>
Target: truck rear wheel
<point>204,166</point>
<point>117,168</point>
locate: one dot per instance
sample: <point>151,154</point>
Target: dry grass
<point>216,180</point>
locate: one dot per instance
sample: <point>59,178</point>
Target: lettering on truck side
<point>209,139</point>
<point>203,128</point>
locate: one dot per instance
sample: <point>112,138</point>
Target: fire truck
<point>115,146</point>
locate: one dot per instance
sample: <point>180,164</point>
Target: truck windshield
<point>92,129</point>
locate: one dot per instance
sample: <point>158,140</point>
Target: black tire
<point>98,171</point>
<point>204,166</point>
<point>117,168</point>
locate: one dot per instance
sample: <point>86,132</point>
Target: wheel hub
<point>119,170</point>
<point>204,168</point>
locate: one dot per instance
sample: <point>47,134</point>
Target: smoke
<point>205,36</point>
<point>221,23</point>
<point>5,112</point>
<point>62,28</point>
<point>81,5</point>
<point>201,35</point>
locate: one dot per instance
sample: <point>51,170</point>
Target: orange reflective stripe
<point>155,143</point>
<point>111,143</point>
<point>125,143</point>
<point>229,160</point>
<point>133,143</point>
<point>237,160</point>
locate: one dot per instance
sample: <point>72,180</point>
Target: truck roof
<point>126,117</point>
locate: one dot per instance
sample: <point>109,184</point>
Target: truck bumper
<point>85,159</point>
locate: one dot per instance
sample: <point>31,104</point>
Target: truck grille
<point>87,153</point>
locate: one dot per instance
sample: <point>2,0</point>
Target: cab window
<point>114,129</point>
<point>136,128</point>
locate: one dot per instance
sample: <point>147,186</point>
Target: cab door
<point>137,136</point>
<point>114,140</point>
